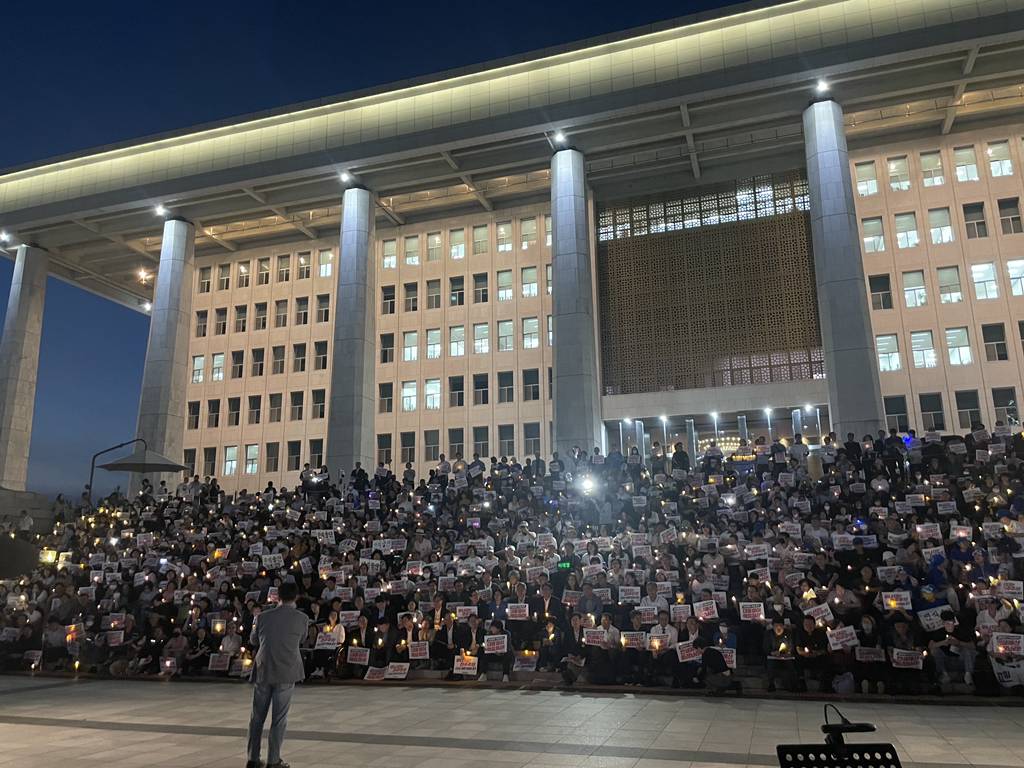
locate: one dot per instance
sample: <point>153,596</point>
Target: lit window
<point>505,339</point>
<point>528,232</point>
<point>326,261</point>
<point>923,348</point>
<point>389,257</point>
<point>263,272</point>
<point>899,174</point>
<point>457,244</point>
<point>547,278</point>
<point>481,239</point>
<point>504,236</point>
<point>914,292</point>
<point>867,182</point>
<point>457,341</point>
<point>984,278</point>
<point>888,352</point>
<point>230,459</point>
<point>432,394</point>
<point>243,275</point>
<point>217,369</point>
<point>966,163</point>
<point>874,240</point>
<point>505,285</point>
<point>1015,268</point>
<point>949,285</point>
<point>284,268</point>
<point>531,333</point>
<point>410,346</point>
<point>198,365</point>
<point>940,227</point>
<point>412,250</point>
<point>958,344</point>
<point>931,169</point>
<point>252,459</point>
<point>547,231</point>
<point>204,279</point>
<point>481,338</point>
<point>433,246</point>
<point>433,343</point>
<point>408,396</point>
<point>302,272</point>
<point>529,281</point>
<point>906,230</point>
<point>999,163</point>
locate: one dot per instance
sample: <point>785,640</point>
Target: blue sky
<point>87,74</point>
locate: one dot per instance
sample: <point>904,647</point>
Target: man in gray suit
<point>276,669</point>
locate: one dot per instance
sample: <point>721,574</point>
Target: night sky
<point>81,75</point>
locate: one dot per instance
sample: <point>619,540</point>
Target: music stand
<point>837,756</point>
<point>835,752</point>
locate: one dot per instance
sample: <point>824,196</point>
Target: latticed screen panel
<point>713,305</point>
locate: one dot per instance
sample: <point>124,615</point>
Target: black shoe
<point>254,764</point>
<point>771,688</point>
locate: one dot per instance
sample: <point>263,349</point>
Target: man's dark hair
<point>287,592</point>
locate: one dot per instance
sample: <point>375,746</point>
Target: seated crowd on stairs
<point>889,564</point>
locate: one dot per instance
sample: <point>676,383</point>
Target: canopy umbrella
<point>143,461</point>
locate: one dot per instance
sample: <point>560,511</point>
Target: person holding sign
<point>275,670</point>
<point>713,672</point>
<point>497,650</point>
<point>778,647</point>
<point>953,646</point>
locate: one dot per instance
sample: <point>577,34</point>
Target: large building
<point>791,217</point>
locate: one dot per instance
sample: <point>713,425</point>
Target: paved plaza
<point>123,724</point>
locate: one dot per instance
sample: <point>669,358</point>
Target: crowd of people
<point>889,563</point>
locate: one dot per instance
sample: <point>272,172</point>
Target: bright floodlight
<point>160,210</point>
<point>714,415</point>
<point>4,237</point>
<point>807,408</point>
<point>664,419</point>
<point>346,176</point>
<point>559,137</point>
<point>627,421</point>
<point>588,484</point>
<point>822,86</point>
<point>767,411</point>
<point>147,306</point>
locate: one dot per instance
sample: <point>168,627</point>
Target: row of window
<point>250,458</point>
<point>529,339</point>
<point>257,362</point>
<point>932,168</point>
<point>265,266</point>
<point>528,288</point>
<point>984,278</point>
<point>254,415</point>
<point>940,225</point>
<point>456,443</point>
<point>968,409</point>
<point>505,383</point>
<point>260,317</point>
<point>246,459</point>
<point>412,245</point>
<point>958,347</point>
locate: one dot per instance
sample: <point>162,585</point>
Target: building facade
<point>769,218</point>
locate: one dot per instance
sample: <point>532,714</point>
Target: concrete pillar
<point>577,403</point>
<point>19,363</point>
<point>165,375</point>
<point>851,366</point>
<point>350,417</point>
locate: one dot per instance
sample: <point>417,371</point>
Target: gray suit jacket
<point>277,635</point>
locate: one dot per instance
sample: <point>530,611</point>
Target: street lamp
<point>768,415</point>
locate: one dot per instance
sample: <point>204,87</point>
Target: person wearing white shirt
<point>653,598</point>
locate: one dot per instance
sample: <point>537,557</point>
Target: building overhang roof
<point>698,99</point>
